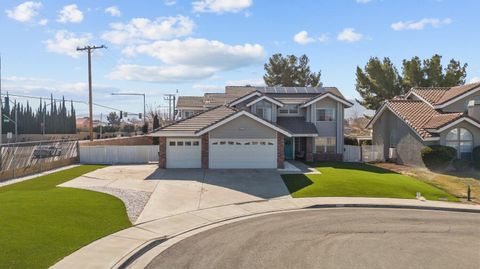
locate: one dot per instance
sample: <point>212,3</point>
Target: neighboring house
<point>83,123</point>
<point>255,127</point>
<point>447,116</point>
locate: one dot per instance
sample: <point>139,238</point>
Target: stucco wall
<point>390,131</point>
<point>325,128</point>
<point>459,106</point>
<point>243,127</point>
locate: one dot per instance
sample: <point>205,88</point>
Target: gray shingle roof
<point>297,125</point>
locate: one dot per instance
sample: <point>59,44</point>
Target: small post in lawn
<point>469,193</point>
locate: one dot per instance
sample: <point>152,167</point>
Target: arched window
<point>462,140</point>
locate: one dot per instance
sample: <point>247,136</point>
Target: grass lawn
<point>338,179</point>
<point>41,223</point>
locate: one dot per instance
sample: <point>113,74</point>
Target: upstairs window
<point>263,110</point>
<point>288,110</point>
<point>326,114</point>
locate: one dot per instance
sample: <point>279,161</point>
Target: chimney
<point>474,109</point>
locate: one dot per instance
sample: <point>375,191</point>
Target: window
<point>288,109</point>
<point>326,114</point>
<point>263,110</point>
<point>188,143</point>
<point>196,143</point>
<point>462,140</point>
<point>179,143</point>
<point>325,144</point>
<point>171,143</point>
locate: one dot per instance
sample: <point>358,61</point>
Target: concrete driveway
<point>183,190</point>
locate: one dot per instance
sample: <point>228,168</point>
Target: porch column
<point>309,149</point>
<point>205,144</point>
<point>162,152</point>
<point>280,150</point>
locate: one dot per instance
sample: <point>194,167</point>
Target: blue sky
<point>203,45</point>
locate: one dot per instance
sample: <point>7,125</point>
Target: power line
<point>68,100</point>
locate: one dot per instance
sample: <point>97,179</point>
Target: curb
<point>149,245</point>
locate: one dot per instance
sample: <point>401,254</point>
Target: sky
<point>158,47</point>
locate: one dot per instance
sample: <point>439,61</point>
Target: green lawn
<point>338,179</point>
<point>41,223</point>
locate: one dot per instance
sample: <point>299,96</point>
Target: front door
<point>288,148</point>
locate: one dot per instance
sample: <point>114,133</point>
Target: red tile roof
<point>421,116</point>
<point>441,95</point>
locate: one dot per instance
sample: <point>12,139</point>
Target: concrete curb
<point>128,260</point>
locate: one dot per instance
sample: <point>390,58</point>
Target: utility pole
<point>171,99</point>
<point>90,111</point>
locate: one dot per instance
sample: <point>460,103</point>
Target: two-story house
<point>448,116</point>
<point>255,127</point>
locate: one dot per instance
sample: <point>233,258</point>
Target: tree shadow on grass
<point>296,182</point>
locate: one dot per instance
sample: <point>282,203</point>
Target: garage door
<point>243,153</point>
<point>183,153</point>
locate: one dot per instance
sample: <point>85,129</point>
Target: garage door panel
<point>183,153</point>
<point>243,153</point>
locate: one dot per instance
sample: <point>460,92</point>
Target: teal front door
<point>288,147</point>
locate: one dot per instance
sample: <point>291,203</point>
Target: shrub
<point>476,157</point>
<point>438,156</point>
<point>461,164</point>
<point>350,141</point>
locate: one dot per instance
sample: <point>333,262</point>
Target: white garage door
<point>243,153</point>
<point>183,153</point>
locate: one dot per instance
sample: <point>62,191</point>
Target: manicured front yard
<point>338,179</point>
<point>41,223</point>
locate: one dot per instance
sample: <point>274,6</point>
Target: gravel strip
<point>134,201</point>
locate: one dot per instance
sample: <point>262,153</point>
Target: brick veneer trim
<point>205,151</point>
<point>162,152</point>
<point>280,150</point>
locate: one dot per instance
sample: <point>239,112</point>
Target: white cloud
<point>70,13</point>
<point>42,85</point>
<point>221,6</point>
<point>162,74</point>
<point>363,1</point>
<point>475,80</point>
<point>303,38</point>
<point>25,12</point>
<point>142,29</point>
<point>201,53</point>
<point>421,24</point>
<point>169,2</point>
<point>349,35</point>
<point>244,82</point>
<point>323,38</point>
<point>113,11</point>
<point>208,88</point>
<point>65,42</point>
<point>188,60</point>
<point>43,22</point>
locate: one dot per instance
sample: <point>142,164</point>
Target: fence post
<point>13,162</point>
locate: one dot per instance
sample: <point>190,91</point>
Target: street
<point>334,238</point>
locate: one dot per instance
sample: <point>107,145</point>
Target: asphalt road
<point>334,238</point>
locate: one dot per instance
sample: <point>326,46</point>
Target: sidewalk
<point>114,250</point>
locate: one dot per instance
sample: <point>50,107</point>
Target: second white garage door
<point>243,153</point>
<point>183,153</point>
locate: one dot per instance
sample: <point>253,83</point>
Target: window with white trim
<point>325,144</point>
<point>326,114</point>
<point>462,140</point>
<point>188,114</point>
<point>291,109</point>
<point>263,109</point>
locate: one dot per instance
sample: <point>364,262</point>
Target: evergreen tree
<point>290,71</point>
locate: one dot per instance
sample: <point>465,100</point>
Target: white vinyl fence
<point>364,153</point>
<point>118,154</point>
